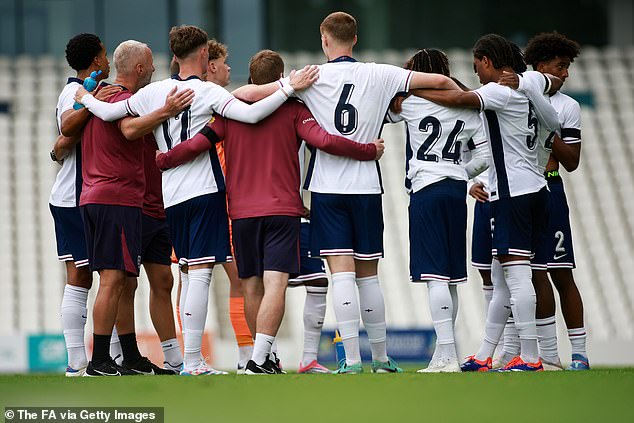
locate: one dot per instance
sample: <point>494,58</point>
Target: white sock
<point>74,313</point>
<point>372,305</point>
<point>115,347</point>
<point>172,352</point>
<point>499,311</point>
<point>488,295</point>
<point>262,347</point>
<point>511,338</point>
<point>441,307</point>
<point>195,313</point>
<point>346,305</point>
<point>518,277</point>
<point>453,290</point>
<point>244,354</point>
<point>183,298</point>
<point>547,339</point>
<point>577,339</point>
<point>314,313</point>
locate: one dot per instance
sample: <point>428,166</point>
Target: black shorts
<point>156,243</point>
<point>266,243</point>
<point>113,237</point>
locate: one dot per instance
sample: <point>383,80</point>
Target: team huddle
<point>183,171</point>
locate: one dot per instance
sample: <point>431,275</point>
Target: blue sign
<point>403,345</point>
<point>47,353</point>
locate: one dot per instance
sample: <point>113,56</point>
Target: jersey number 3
<point>345,113</point>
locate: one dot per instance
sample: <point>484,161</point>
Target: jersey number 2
<point>451,150</point>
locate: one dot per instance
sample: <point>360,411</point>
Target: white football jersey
<point>67,186</point>
<point>569,117</point>
<point>436,138</point>
<point>350,99</point>
<point>512,130</point>
<point>203,175</point>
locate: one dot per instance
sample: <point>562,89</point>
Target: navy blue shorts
<point>113,237</point>
<point>518,223</point>
<point>559,232</point>
<point>156,243</point>
<point>346,224</point>
<point>199,229</point>
<point>69,232</point>
<point>438,232</point>
<point>543,251</point>
<point>310,268</point>
<point>266,243</point>
<point>481,236</point>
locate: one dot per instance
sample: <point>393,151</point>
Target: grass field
<point>598,395</point>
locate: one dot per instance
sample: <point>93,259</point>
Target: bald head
<point>133,59</point>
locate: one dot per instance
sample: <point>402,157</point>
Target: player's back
<point>350,98</point>
<point>65,191</point>
<point>202,175</point>
<point>513,131</point>
<point>436,138</point>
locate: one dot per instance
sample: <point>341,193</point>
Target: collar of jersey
<point>343,59</point>
<point>74,79</point>
<point>178,78</point>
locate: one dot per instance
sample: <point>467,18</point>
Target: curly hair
<point>429,61</point>
<point>216,49</point>
<point>548,45</point>
<point>497,49</point>
<point>81,50</point>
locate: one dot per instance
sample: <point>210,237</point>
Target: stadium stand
<point>601,194</point>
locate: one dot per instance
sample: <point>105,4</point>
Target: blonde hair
<point>127,55</point>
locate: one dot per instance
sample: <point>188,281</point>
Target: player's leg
<point>525,216</point>
<point>157,261</point>
<point>113,239</point>
<point>437,218</point>
<point>481,247</point>
<point>204,220</point>
<point>331,238</point>
<point>237,316</point>
<point>280,243</point>
<point>366,214</point>
<point>71,249</point>
<point>545,311</point>
<point>312,275</point>
<point>560,268</point>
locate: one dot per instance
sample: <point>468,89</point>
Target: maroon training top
<point>262,160</point>
<point>112,166</point>
<point>153,201</point>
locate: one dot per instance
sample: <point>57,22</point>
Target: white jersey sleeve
<point>534,85</point>
<point>569,117</point>
<point>493,96</point>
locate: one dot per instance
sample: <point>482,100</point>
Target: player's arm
<point>136,127</point>
<point>480,158</point>
<point>451,98</point>
<point>309,130</point>
<point>251,93</point>
<point>63,146</point>
<point>432,81</point>
<point>568,154</point>
<point>188,150</point>
<point>73,121</point>
<point>253,113</point>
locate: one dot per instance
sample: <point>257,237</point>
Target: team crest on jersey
<point>213,119</point>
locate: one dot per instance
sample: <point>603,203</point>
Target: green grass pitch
<point>602,395</point>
